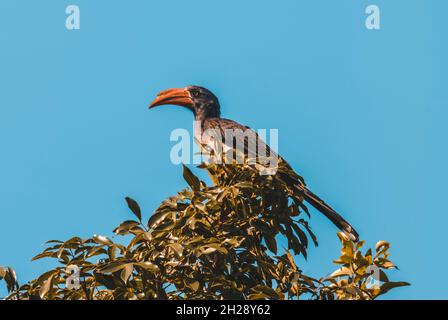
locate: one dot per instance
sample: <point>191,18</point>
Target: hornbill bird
<point>206,109</point>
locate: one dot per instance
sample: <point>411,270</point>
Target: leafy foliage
<point>208,242</point>
<point>362,276</point>
<point>8,275</point>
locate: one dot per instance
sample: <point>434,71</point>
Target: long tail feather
<point>332,215</point>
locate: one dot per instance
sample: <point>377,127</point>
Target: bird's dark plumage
<point>206,108</point>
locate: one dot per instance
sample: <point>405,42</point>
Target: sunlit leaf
<point>102,240</point>
<point>126,272</point>
<point>191,179</point>
<point>135,208</point>
<point>112,267</point>
<point>390,285</point>
<point>46,287</point>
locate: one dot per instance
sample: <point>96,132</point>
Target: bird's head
<point>200,100</point>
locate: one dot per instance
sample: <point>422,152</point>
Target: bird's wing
<point>238,141</point>
<point>286,174</point>
<point>241,136</point>
<point>247,142</point>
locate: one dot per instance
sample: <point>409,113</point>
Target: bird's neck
<point>202,114</point>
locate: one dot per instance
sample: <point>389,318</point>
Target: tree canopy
<point>235,239</point>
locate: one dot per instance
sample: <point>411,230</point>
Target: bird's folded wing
<point>234,136</point>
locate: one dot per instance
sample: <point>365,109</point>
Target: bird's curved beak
<point>176,96</point>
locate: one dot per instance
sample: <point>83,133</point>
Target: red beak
<point>179,97</point>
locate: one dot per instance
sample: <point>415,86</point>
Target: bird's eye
<point>195,93</point>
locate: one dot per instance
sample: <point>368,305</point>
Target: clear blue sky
<point>361,115</point>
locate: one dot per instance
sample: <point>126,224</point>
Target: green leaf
<point>380,244</point>
<point>47,286</point>
<point>124,227</point>
<point>112,267</point>
<point>94,251</point>
<point>102,240</point>
<point>191,179</point>
<point>207,250</point>
<point>390,285</point>
<point>383,276</point>
<point>44,255</point>
<point>157,218</point>
<point>11,279</point>
<point>54,241</point>
<point>341,272</point>
<point>177,248</point>
<point>135,208</point>
<point>126,272</point>
<point>148,266</point>
<point>300,234</point>
<point>270,242</point>
<point>194,285</point>
<point>105,280</point>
